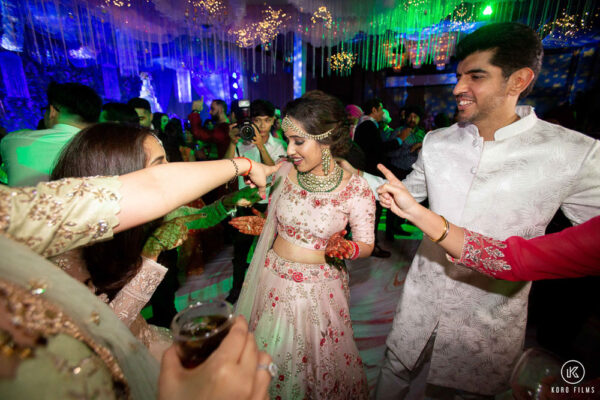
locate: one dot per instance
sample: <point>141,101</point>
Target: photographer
<point>260,146</point>
<point>218,134</point>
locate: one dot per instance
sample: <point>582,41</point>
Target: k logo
<point>572,372</point>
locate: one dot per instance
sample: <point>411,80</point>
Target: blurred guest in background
<point>119,112</point>
<point>29,156</point>
<point>159,122</point>
<point>143,110</point>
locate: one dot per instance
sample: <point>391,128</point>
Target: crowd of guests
<point>499,172</point>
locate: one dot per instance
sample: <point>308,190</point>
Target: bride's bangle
<point>356,253</point>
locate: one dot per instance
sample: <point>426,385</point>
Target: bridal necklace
<point>323,184</point>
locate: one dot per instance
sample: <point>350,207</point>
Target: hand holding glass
<point>199,329</point>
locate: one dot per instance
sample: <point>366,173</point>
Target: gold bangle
<point>446,230</point>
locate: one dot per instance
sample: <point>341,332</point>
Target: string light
<point>208,7</point>
<point>262,32</point>
<point>342,62</point>
<point>118,3</point>
<point>408,4</point>
<point>567,26</point>
<point>322,15</point>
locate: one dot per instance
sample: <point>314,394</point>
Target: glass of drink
<point>199,329</point>
<point>534,374</point>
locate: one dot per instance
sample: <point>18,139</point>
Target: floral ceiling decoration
<point>213,35</point>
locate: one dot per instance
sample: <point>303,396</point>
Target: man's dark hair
<point>370,104</point>
<point>260,108</point>
<point>120,112</point>
<point>138,102</point>
<point>75,99</point>
<point>415,109</point>
<point>222,104</point>
<point>515,46</point>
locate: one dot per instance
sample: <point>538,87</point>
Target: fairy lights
<point>118,3</point>
<point>342,62</point>
<point>567,26</point>
<point>208,7</point>
<point>262,32</point>
<point>324,16</point>
<point>408,4</point>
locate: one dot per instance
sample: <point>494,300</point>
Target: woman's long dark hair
<point>108,149</point>
<point>172,138</point>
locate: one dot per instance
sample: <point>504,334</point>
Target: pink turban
<point>354,111</point>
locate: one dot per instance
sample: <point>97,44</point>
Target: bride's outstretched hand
<point>339,247</point>
<point>251,224</point>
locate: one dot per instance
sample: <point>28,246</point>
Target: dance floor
<point>375,285</point>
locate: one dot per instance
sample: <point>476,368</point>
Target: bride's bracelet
<point>356,252</point>
<point>249,162</point>
<point>237,171</point>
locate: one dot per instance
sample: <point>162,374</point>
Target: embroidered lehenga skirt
<point>301,318</point>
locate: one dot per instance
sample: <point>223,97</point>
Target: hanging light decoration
<point>568,26</point>
<point>262,32</point>
<point>442,49</point>
<point>209,8</point>
<point>463,13</point>
<point>118,3</point>
<point>412,4</point>
<point>322,15</point>
<point>342,61</point>
<point>417,51</point>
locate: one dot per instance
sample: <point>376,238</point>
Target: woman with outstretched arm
<point>573,252</point>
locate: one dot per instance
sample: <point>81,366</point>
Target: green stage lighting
<point>488,10</point>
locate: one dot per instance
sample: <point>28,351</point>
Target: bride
<point>296,294</point>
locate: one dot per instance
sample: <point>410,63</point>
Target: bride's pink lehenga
<point>300,313</point>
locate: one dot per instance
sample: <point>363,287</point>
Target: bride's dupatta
<point>265,241</point>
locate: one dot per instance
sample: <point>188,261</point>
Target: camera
<point>245,121</point>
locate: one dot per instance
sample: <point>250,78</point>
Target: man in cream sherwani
<point>500,171</point>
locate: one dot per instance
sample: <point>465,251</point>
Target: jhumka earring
<point>326,158</point>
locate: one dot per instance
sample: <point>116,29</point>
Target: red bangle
<point>356,250</point>
<point>247,172</point>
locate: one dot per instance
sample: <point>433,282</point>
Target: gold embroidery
<point>35,315</point>
<point>60,214</point>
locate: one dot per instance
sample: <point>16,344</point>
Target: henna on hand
<point>249,225</point>
<point>339,247</point>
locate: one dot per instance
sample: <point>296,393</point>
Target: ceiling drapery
<point>213,35</point>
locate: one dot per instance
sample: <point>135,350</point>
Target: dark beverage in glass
<point>199,329</point>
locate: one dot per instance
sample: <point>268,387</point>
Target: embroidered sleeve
<point>54,217</point>
<point>483,254</point>
<point>156,339</point>
<point>130,300</point>
<point>362,211</point>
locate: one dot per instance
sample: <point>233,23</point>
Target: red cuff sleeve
<point>573,252</point>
